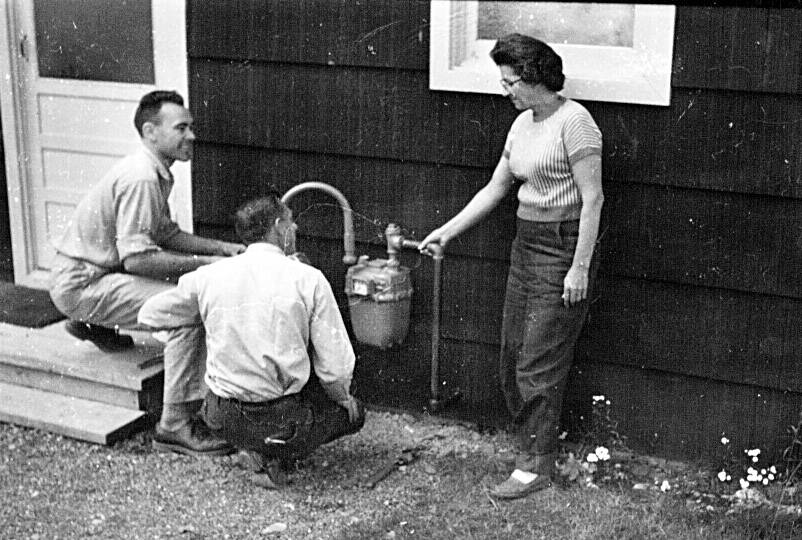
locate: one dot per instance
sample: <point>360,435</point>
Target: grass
<point>52,487</point>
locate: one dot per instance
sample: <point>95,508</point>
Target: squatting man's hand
<point>352,406</point>
<point>300,256</point>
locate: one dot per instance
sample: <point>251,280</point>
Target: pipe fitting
<point>395,243</point>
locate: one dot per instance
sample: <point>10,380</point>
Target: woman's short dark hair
<point>531,59</point>
<point>151,104</point>
<point>255,218</point>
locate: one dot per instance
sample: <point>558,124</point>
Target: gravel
<point>52,487</point>
<point>56,487</point>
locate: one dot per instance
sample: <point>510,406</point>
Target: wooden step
<point>74,417</point>
<point>52,360</point>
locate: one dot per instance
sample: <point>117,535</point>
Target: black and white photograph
<point>385,269</point>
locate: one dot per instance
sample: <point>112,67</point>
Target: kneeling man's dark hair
<point>255,218</point>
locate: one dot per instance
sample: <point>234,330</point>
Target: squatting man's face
<point>287,228</point>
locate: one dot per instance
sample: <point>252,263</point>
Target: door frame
<point>170,71</point>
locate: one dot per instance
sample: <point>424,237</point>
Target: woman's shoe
<point>520,484</point>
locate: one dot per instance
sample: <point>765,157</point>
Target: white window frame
<point>641,74</point>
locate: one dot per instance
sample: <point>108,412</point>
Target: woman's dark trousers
<point>539,334</point>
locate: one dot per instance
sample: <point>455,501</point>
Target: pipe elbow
<point>349,244</point>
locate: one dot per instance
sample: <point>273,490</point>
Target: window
<point>95,40</point>
<point>610,52</point>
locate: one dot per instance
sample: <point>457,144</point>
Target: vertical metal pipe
<point>396,242</point>
<point>434,401</point>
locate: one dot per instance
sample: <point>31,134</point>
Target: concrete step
<point>74,417</point>
<point>50,359</point>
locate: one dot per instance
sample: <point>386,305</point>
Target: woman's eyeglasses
<point>507,83</point>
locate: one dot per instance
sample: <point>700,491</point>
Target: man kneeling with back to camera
<point>261,311</point>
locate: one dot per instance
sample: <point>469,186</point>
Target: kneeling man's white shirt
<point>261,310</point>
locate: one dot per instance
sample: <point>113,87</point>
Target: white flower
<point>665,486</point>
<point>750,470</point>
<point>754,452</point>
<point>592,458</point>
<point>755,459</point>
<point>729,478</point>
<point>763,471</point>
<point>771,476</point>
<point>598,398</point>
<point>602,453</point>
<point>724,440</point>
<point>773,469</point>
<point>744,483</point>
<point>722,476</point>
<point>765,481</point>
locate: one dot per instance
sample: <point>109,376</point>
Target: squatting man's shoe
<point>194,439</point>
<point>106,339</point>
<point>268,473</point>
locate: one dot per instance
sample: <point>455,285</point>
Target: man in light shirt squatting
<point>261,310</point>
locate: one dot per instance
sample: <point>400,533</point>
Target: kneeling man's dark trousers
<point>286,428</point>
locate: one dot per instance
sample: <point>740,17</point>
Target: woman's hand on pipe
<point>575,286</point>
<point>434,237</point>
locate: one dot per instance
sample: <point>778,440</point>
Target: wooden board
<point>739,48</point>
<point>384,33</point>
<point>126,398</point>
<point>345,110</point>
<point>77,418</point>
<point>703,238</point>
<point>712,334</point>
<point>52,350</point>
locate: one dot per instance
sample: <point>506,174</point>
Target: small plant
<point>792,455</point>
<point>603,429</point>
<point>592,457</point>
<point>750,473</point>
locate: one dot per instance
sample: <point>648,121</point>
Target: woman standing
<point>554,149</point>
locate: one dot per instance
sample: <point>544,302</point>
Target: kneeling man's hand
<point>229,249</point>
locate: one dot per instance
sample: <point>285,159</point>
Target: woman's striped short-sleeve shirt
<point>541,154</point>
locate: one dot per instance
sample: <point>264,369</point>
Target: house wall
<point>694,332</point>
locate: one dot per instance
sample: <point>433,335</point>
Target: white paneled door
<point>77,70</point>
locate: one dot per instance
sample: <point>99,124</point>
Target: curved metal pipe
<point>348,218</point>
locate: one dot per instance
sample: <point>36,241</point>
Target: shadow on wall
<point>6,265</point>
